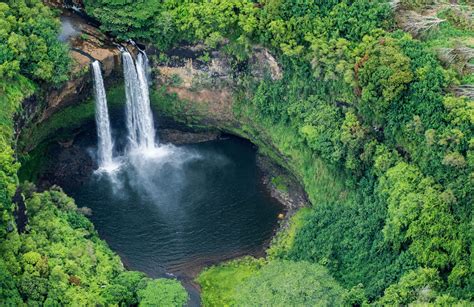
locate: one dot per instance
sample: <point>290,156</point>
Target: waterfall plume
<point>104,135</point>
<point>139,118</point>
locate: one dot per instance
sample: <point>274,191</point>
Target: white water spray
<point>104,135</point>
<point>140,124</point>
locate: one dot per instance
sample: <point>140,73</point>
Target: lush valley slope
<point>376,124</point>
<point>363,103</point>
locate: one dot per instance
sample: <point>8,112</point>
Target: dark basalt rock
<point>179,137</point>
<point>21,217</point>
<point>71,166</point>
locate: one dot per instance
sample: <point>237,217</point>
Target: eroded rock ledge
<point>208,78</point>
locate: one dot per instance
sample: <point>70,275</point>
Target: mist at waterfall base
<point>196,206</point>
<point>173,209</point>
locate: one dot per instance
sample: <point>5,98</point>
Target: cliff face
<point>207,81</point>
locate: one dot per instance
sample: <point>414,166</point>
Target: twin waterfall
<point>139,118</point>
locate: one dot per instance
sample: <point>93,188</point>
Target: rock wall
<point>205,85</point>
<point>208,80</point>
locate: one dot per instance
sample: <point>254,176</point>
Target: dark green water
<point>182,208</point>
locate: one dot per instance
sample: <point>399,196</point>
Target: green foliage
<point>419,213</point>
<point>251,282</point>
<point>219,283</point>
<point>285,239</point>
<point>8,290</point>
<point>29,51</point>
<point>290,284</point>
<point>361,117</point>
<point>28,43</point>
<point>163,292</point>
<point>383,78</point>
<point>58,259</point>
<point>419,286</point>
<point>167,22</point>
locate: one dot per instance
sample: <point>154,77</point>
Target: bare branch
<point>418,24</point>
<point>395,5</point>
<point>459,57</point>
<point>466,90</point>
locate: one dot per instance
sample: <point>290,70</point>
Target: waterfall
<point>146,66</point>
<point>105,145</point>
<point>140,124</point>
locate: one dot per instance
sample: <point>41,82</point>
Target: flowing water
<point>139,117</point>
<point>104,135</point>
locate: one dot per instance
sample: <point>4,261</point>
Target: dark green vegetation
<point>58,258</point>
<point>371,123</point>
<point>369,118</point>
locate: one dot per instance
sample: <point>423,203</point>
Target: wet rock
<point>289,191</point>
<point>87,44</point>
<point>179,137</point>
<point>71,166</point>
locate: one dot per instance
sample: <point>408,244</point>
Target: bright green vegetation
<point>163,292</point>
<point>219,284</point>
<point>58,258</point>
<point>20,75</point>
<point>252,282</point>
<point>367,120</point>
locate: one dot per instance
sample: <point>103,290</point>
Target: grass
<point>218,283</point>
<point>280,183</point>
<point>284,240</point>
